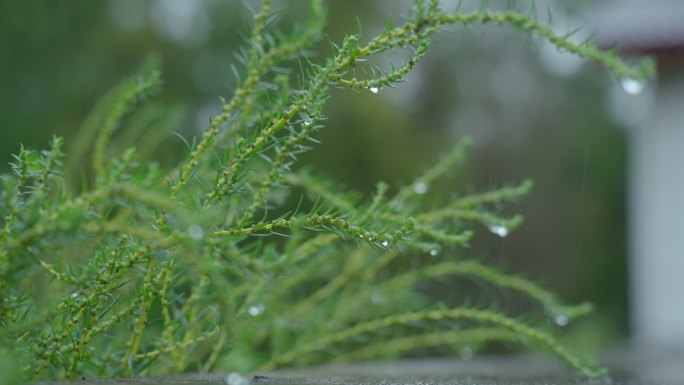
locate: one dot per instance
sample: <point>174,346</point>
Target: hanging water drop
<point>561,320</point>
<point>307,120</point>
<point>74,294</point>
<point>632,86</point>
<point>420,188</point>
<point>257,309</point>
<point>434,252</point>
<point>374,90</point>
<point>385,243</point>
<point>236,379</point>
<point>196,232</point>
<point>377,299</point>
<point>499,230</point>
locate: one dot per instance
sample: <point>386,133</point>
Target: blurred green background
<point>533,113</point>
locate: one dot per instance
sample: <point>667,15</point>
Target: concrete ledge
<point>627,368</point>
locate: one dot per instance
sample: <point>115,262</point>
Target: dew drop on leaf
<point>377,299</point>
<point>434,252</point>
<point>374,90</point>
<point>307,120</point>
<point>420,188</point>
<point>196,232</point>
<point>256,310</point>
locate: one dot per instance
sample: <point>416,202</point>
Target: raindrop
<point>377,299</point>
<point>374,90</point>
<point>632,86</point>
<point>74,294</point>
<point>196,232</point>
<point>236,379</point>
<point>385,243</point>
<point>561,320</point>
<point>420,188</point>
<point>434,252</point>
<point>466,353</point>
<point>499,230</point>
<point>361,236</point>
<point>257,309</point>
<point>307,120</point>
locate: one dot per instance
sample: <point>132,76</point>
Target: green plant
<point>210,265</point>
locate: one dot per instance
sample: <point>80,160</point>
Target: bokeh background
<point>533,113</point>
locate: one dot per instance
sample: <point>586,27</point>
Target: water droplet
<point>196,232</point>
<point>307,120</point>
<point>374,90</point>
<point>361,236</point>
<point>377,299</point>
<point>236,379</point>
<point>561,320</point>
<point>74,294</point>
<point>466,353</point>
<point>257,309</point>
<point>385,243</point>
<point>420,188</point>
<point>434,252</point>
<point>632,86</point>
<point>499,230</point>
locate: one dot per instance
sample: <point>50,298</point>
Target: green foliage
<point>238,260</point>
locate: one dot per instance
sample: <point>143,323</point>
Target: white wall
<point>656,220</point>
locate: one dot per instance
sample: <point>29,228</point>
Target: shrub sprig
<point>148,271</point>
